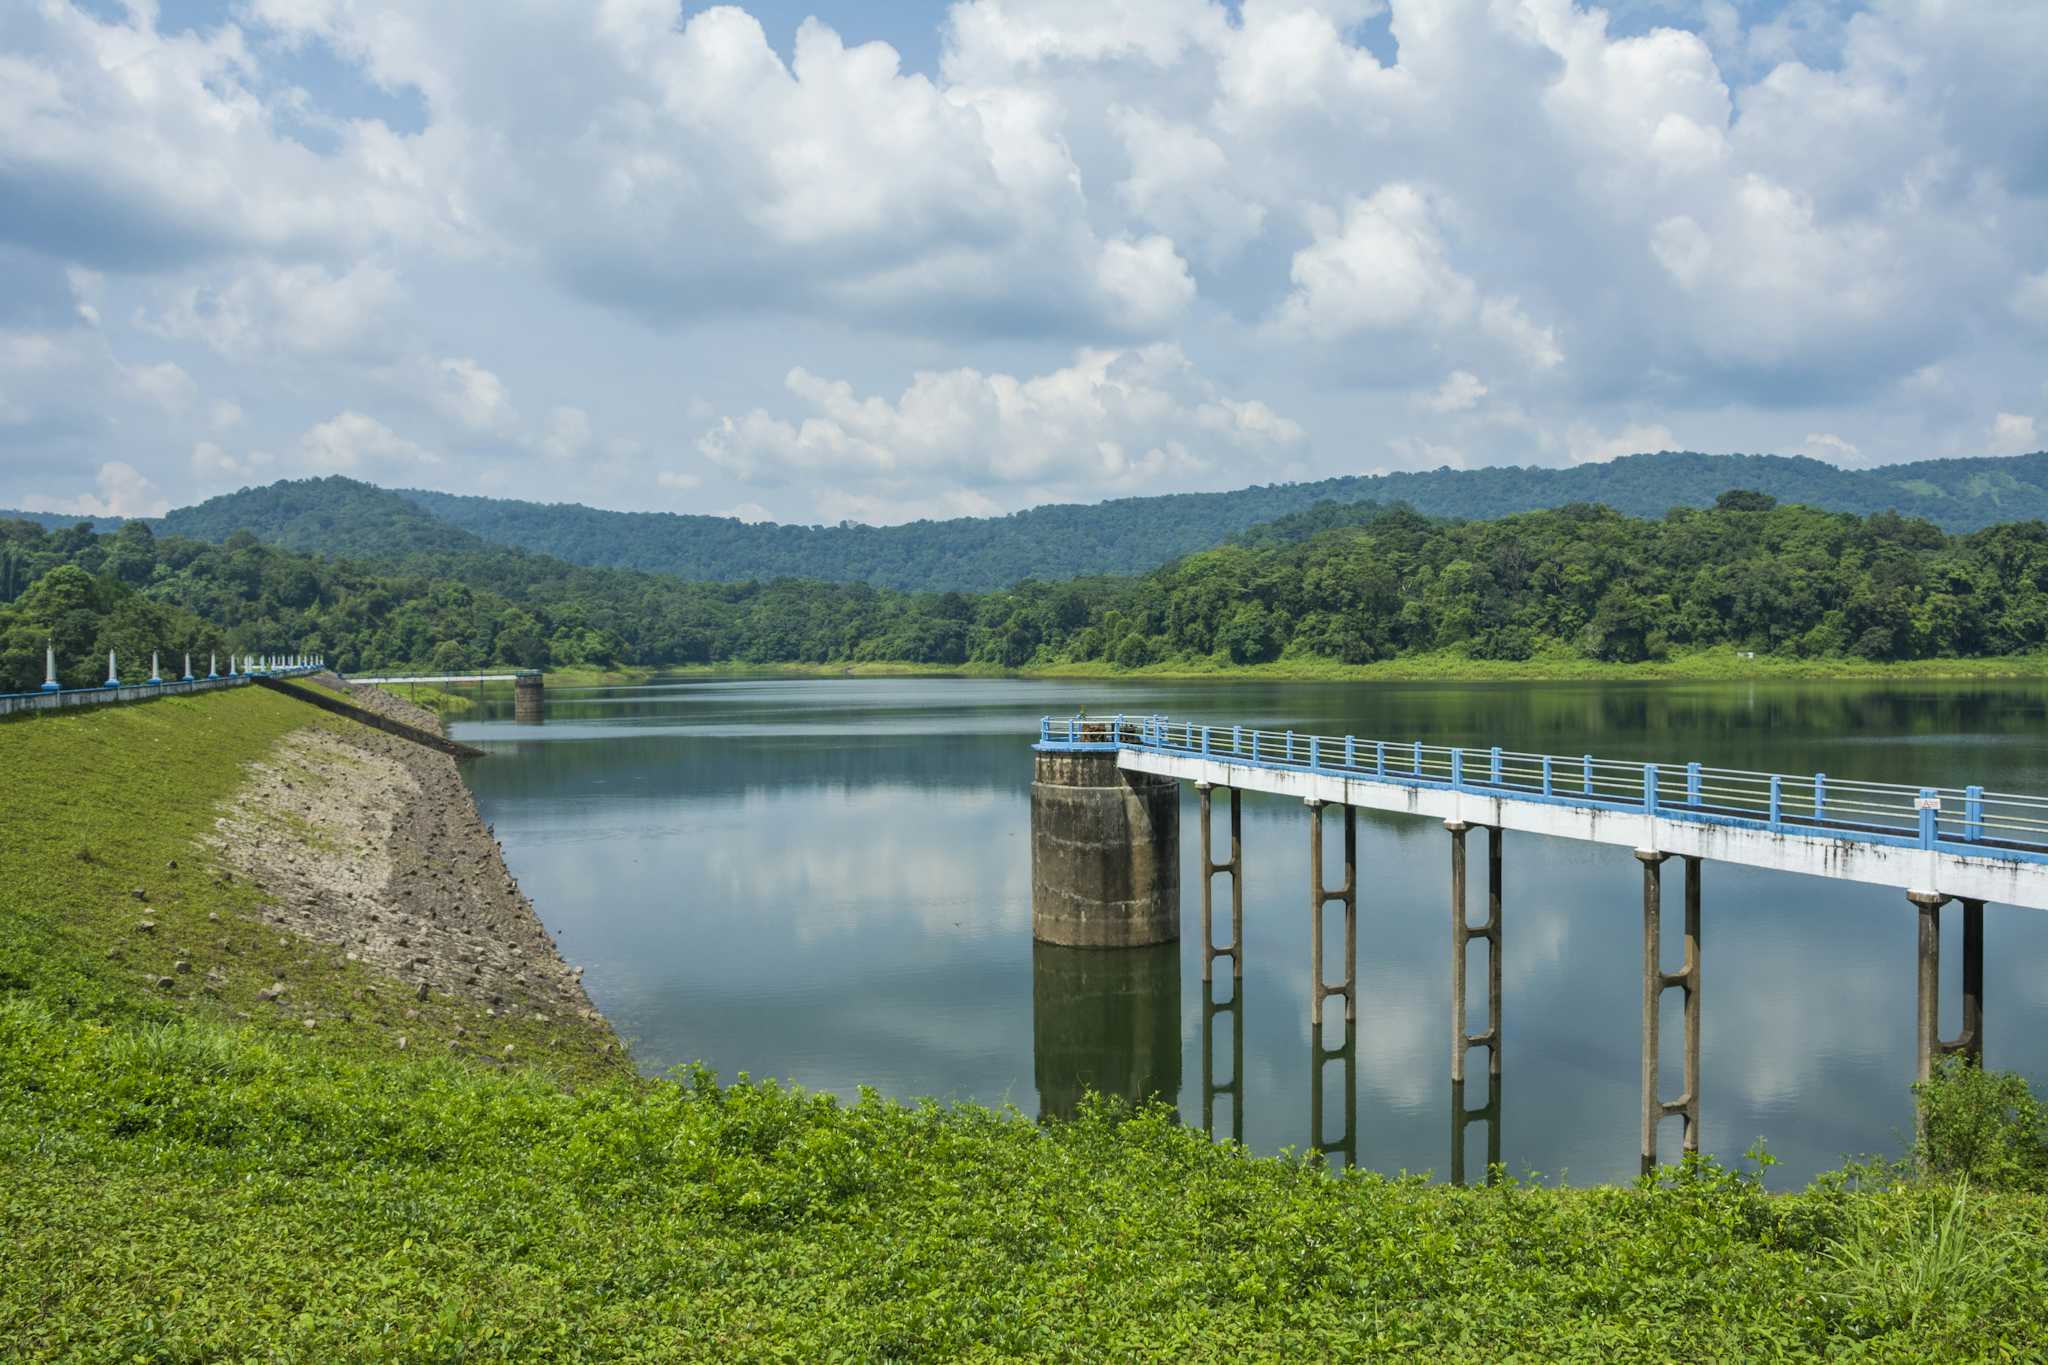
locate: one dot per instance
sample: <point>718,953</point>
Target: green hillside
<point>340,516</point>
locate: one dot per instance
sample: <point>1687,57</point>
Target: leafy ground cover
<point>180,1182</point>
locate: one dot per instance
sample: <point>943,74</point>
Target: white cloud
<point>351,439</point>
<point>1382,267</point>
<point>567,435</point>
<point>123,492</point>
<point>749,512</point>
<point>164,384</point>
<point>677,481</point>
<point>266,307</point>
<point>1113,420</point>
<point>2013,434</point>
<point>1825,445</point>
<point>473,395</point>
<point>213,465</point>
<point>1180,182</point>
<point>1460,392</point>
<point>225,414</point>
<point>1415,453</point>
<point>1148,281</point>
<point>1587,445</point>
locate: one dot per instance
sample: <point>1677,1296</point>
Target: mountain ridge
<point>345,517</point>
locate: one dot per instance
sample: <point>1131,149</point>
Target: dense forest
<point>339,516</point>
<point>1338,583</point>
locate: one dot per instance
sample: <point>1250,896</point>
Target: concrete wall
<point>1105,853</point>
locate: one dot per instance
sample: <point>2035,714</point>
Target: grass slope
<point>180,1183</point>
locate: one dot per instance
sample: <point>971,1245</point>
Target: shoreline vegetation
<point>1719,665</point>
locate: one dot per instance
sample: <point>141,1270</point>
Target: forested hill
<point>1574,583</point>
<point>339,516</point>
<point>1130,535</point>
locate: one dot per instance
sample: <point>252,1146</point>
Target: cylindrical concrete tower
<point>526,698</point>
<point>1105,853</point>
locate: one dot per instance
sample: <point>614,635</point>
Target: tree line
<point>1348,584</point>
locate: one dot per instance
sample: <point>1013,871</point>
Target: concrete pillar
<point>1106,1022</point>
<point>1210,870</point>
<point>1929,1044</point>
<point>1234,1087</point>
<point>527,696</point>
<point>1105,853</point>
<point>1320,896</point>
<point>1463,931</point>
<point>1655,982</point>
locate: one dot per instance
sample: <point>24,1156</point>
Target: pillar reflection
<point>1106,1020</point>
<point>1463,1118</point>
<point>1321,1057</point>
<point>1233,1088</point>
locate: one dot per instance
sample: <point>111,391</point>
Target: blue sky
<point>815,262</point>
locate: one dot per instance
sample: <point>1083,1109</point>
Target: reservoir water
<point>828,882</point>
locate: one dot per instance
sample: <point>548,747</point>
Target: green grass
<point>181,1183</point>
<point>106,801</point>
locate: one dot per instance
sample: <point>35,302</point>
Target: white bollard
<point>50,683</point>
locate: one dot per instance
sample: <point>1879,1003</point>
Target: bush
<point>1982,1126</point>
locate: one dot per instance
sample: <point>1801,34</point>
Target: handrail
<point>1967,820</point>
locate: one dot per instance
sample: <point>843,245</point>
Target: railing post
<point>1494,778</point>
<point>1777,803</point>
<point>1930,812</point>
<point>1973,813</point>
<point>1820,797</point>
<point>1289,741</point>
<point>1236,740</point>
<point>1692,784</point>
<point>1457,769</point>
<point>1045,730</point>
<point>1350,751</point>
<point>1255,746</point>
<point>1650,788</point>
<point>1546,774</point>
<point>1589,774</point>
<point>1418,758</point>
<point>1314,752</point>
<point>1205,739</point>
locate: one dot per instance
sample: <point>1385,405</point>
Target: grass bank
<point>184,1178</point>
<point>1713,665</point>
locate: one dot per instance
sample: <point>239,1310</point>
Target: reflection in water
<point>1462,1118</point>
<point>1106,1020</point>
<point>1234,1087</point>
<point>1320,1058</point>
<point>829,881</point>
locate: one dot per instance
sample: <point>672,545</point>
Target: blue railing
<point>1963,820</point>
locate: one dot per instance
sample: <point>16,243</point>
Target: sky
<point>820,261</point>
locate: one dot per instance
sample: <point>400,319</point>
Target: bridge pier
<point>1319,896</point>
<point>1970,1042</point>
<point>526,698</point>
<point>1655,982</point>
<point>1210,870</point>
<point>1462,932</point>
<point>1105,852</point>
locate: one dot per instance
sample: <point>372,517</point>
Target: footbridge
<point>528,686</point>
<point>1106,864</point>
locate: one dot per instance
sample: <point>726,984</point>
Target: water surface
<point>828,881</point>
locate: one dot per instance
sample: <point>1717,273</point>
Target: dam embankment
<point>371,843</point>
